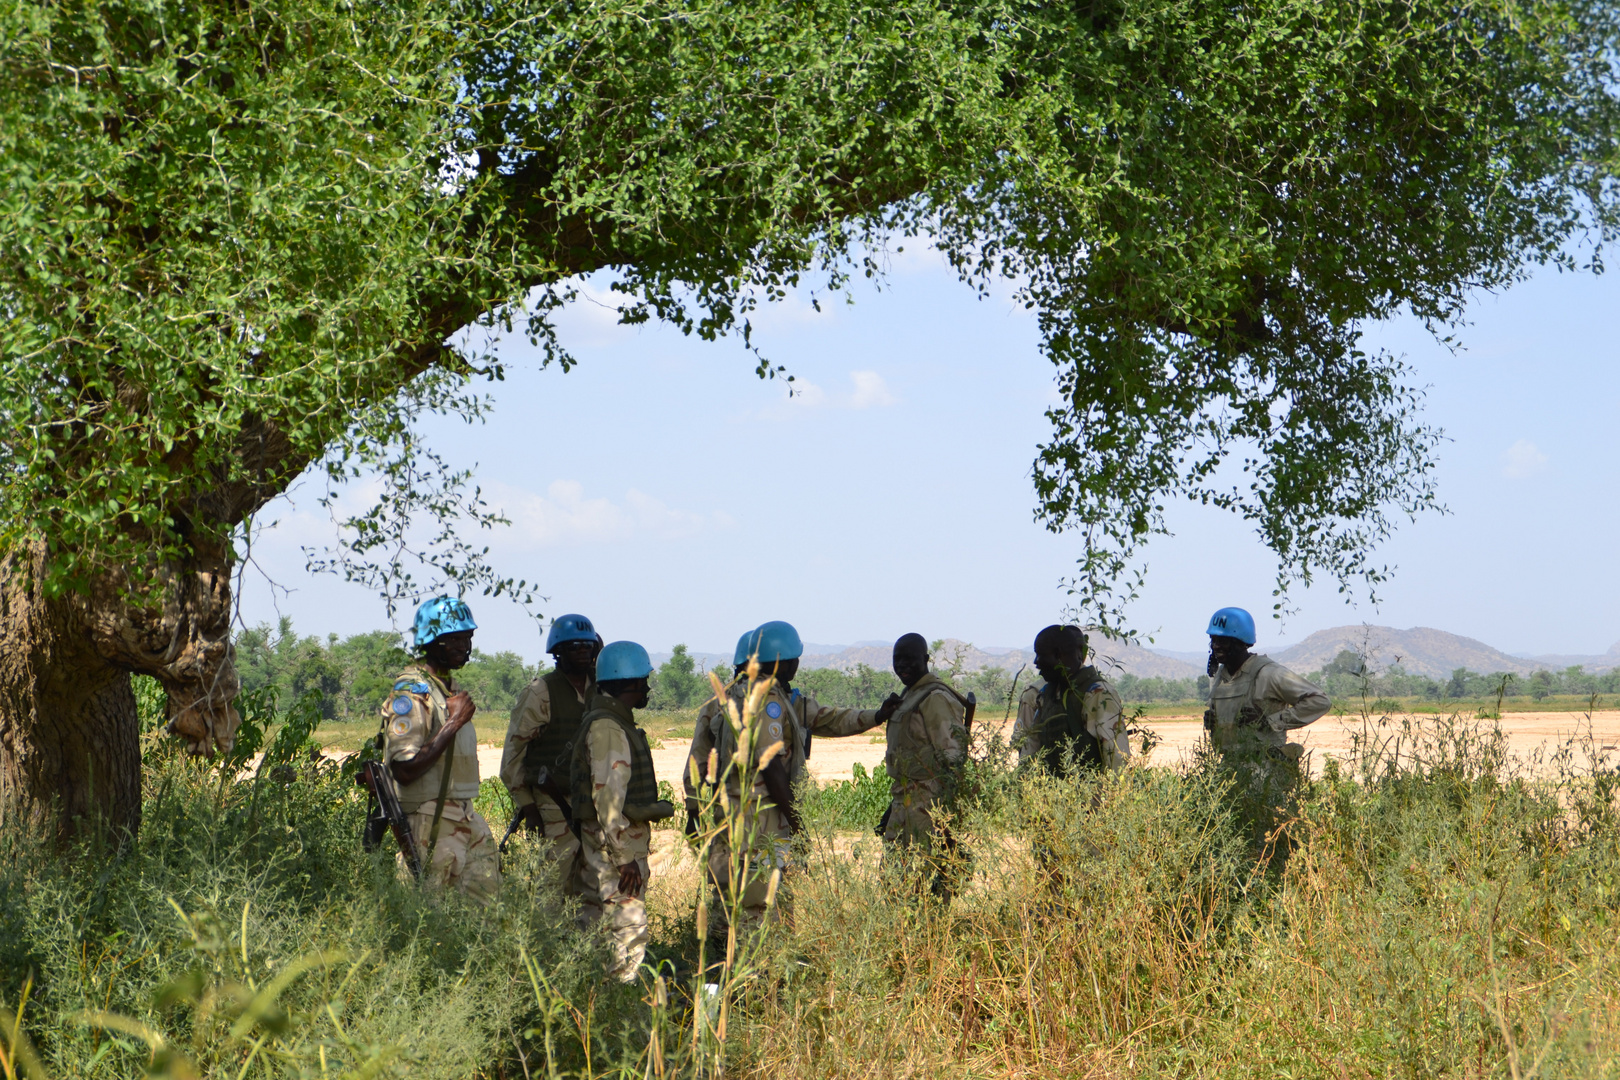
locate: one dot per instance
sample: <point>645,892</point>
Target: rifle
<point>546,784</point>
<point>374,775</point>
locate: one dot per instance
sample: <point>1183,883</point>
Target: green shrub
<point>1425,908</point>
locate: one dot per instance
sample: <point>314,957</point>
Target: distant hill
<point>1125,659</point>
<point>1422,650</point>
<point>1607,662</point>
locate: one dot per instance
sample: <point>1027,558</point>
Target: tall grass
<point>1427,907</point>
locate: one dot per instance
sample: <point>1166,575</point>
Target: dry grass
<point>1424,909</point>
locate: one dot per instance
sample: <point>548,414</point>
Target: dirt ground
<point>833,759</point>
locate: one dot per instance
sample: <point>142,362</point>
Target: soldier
<point>1253,700</point>
<point>432,751</point>
<point>1076,716</point>
<point>770,819</point>
<point>539,747</point>
<point>615,799</point>
<point>927,744</point>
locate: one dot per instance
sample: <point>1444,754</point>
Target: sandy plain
<point>1531,739</point>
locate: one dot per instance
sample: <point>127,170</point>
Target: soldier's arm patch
<point>402,706</point>
<point>399,727</point>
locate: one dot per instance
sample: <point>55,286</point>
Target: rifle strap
<point>438,807</point>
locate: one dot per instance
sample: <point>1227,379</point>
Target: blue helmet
<point>778,641</point>
<point>1232,622</point>
<point>623,660</point>
<point>566,628</point>
<point>440,616</point>
<point>745,649</point>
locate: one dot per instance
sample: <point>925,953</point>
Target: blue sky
<point>663,490</point>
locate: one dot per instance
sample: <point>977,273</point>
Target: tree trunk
<point>69,744</point>
<point>70,750</point>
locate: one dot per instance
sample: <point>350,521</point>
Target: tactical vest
<point>794,725</point>
<point>903,759</point>
<point>795,731</point>
<point>1228,699</point>
<point>462,753</point>
<point>552,747</point>
<point>643,790</point>
<point>1060,725</point>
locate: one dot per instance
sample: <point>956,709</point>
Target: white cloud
<point>808,394</point>
<point>868,391</point>
<point>1522,459</point>
<point>565,515</point>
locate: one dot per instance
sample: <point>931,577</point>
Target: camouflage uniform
<point>531,735</point>
<point>465,854</point>
<point>1282,700</point>
<point>611,778</point>
<point>927,744</point>
<point>784,718</point>
<point>1083,723</point>
<point>1038,733</point>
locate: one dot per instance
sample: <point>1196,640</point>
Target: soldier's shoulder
<point>1031,694</point>
<point>411,680</point>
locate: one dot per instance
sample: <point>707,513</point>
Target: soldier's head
<point>911,657</point>
<point>745,649</point>
<point>1059,651</point>
<point>782,670</point>
<point>624,671</point>
<point>1226,651</point>
<point>633,692</point>
<point>574,644</point>
<point>1231,632</point>
<point>444,633</point>
<point>778,648</point>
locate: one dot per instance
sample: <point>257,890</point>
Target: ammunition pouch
<point>661,810</point>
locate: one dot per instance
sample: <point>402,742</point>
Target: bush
<point>1425,908</point>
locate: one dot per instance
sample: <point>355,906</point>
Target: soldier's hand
<point>461,708</point>
<point>886,710</point>
<point>1209,719</point>
<point>630,880</point>
<point>529,817</point>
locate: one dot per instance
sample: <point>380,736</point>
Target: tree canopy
<point>241,237</point>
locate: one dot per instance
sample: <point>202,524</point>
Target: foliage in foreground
<point>1423,910</point>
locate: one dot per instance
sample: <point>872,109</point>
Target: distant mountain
<point>1422,650</point>
<point>1607,662</point>
<point>1109,655</point>
<point>1196,659</point>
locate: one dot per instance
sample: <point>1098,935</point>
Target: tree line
<point>352,675</point>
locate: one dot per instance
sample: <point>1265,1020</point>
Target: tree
<point>678,684</point>
<point>240,238</point>
<point>495,681</point>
